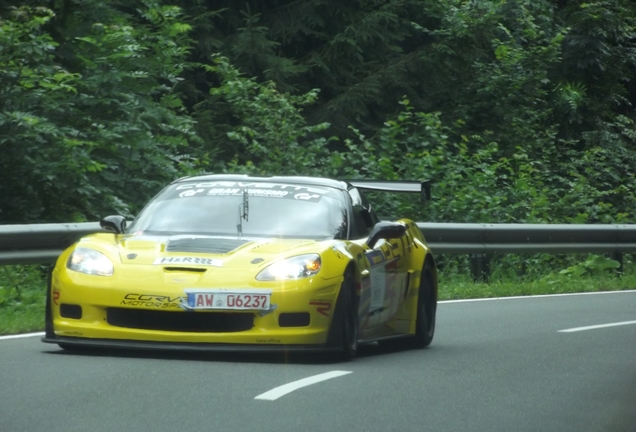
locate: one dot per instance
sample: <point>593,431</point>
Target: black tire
<point>48,315</point>
<point>344,327</point>
<point>426,309</point>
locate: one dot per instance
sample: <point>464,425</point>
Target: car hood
<point>209,251</point>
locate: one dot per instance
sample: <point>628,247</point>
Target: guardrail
<point>455,238</point>
<point>42,243</point>
<point>482,240</point>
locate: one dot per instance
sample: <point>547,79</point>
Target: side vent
<point>298,319</point>
<point>71,311</point>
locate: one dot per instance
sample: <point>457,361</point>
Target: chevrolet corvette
<point>235,262</point>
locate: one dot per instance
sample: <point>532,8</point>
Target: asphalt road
<point>497,365</point>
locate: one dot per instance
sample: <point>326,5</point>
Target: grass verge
<point>22,298</point>
<point>543,274</point>
<point>462,287</point>
<point>22,288</point>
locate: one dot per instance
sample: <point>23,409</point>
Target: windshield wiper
<point>244,209</point>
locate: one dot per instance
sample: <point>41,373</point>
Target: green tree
<point>99,137</point>
<point>263,130</point>
<point>362,55</point>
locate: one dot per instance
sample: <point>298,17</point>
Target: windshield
<point>245,208</point>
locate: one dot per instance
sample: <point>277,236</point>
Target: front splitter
<point>189,347</point>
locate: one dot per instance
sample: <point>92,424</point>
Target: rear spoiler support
<point>422,187</point>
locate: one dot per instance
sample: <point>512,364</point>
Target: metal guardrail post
<point>618,256</point>
<point>480,267</point>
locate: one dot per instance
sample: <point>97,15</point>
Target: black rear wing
<point>422,187</point>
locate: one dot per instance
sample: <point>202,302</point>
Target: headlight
<point>89,261</point>
<point>300,266</point>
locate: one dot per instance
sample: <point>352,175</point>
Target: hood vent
<point>184,269</point>
<point>204,245</point>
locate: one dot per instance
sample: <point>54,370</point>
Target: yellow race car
<point>233,262</point>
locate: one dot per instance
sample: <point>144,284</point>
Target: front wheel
<point>426,309</point>
<point>344,327</point>
<point>48,313</point>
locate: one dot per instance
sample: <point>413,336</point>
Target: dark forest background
<point>518,110</point>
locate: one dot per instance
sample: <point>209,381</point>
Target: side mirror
<point>115,224</point>
<point>385,230</point>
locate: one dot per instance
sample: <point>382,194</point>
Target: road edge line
<point>23,335</point>
<point>535,296</point>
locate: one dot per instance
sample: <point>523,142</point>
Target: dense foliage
<point>89,123</point>
<point>519,110</point>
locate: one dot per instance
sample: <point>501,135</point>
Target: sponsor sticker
<point>378,287</point>
<point>306,196</point>
<point>188,260</point>
<point>375,257</point>
<point>152,301</point>
<point>253,189</point>
<point>322,307</point>
<point>268,341</point>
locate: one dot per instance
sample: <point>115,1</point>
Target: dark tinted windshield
<point>273,210</point>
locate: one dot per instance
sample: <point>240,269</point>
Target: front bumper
<point>82,311</point>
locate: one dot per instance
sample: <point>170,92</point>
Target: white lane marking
<point>535,296</point>
<point>277,392</point>
<point>593,327</point>
<point>25,335</point>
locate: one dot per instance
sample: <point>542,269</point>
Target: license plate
<point>228,300</point>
